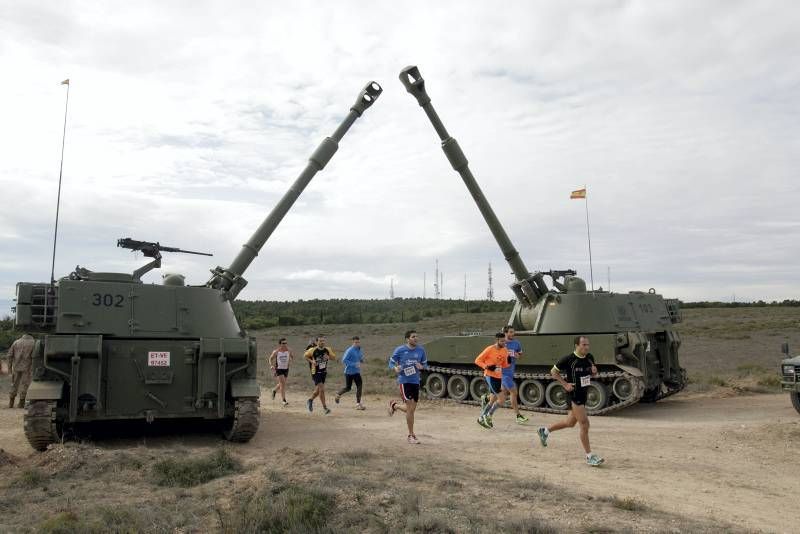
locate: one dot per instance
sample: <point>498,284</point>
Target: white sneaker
<point>360,406</point>
<point>413,440</point>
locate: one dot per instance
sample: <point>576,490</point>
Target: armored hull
<point>636,355</point>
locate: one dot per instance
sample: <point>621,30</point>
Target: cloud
<point>188,123</point>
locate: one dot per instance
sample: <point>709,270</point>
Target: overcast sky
<point>189,120</point>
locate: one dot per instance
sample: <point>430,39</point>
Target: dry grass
<point>187,472</point>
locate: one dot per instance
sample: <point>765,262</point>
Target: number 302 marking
<point>107,299</point>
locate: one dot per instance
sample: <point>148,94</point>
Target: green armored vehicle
<point>115,348</point>
<point>632,336</point>
<point>790,372</point>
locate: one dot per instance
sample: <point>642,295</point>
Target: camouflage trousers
<point>19,383</point>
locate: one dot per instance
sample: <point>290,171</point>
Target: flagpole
<point>588,236</point>
<point>60,172</point>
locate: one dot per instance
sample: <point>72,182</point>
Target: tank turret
<point>632,336</point>
<point>115,348</point>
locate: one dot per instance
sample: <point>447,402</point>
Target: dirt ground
<point>712,459</point>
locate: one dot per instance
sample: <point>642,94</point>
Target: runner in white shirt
<point>279,364</point>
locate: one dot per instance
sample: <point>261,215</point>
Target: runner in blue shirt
<point>514,351</point>
<point>352,359</point>
<point>407,361</point>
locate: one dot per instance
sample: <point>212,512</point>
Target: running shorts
<point>319,378</point>
<point>577,396</point>
<point>409,392</point>
<point>283,372</point>
<point>494,384</point>
<point>508,382</point>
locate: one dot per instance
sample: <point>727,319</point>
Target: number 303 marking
<point>108,300</point>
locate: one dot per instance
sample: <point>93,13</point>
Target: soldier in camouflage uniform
<point>20,364</point>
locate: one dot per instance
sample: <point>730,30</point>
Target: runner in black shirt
<point>318,357</point>
<point>579,368</point>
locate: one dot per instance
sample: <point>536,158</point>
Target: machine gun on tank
<point>153,250</point>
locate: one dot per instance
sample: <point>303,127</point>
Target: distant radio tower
<point>391,288</point>
<point>465,287</point>
<point>424,285</point>
<point>436,286</point>
<point>441,285</point>
<point>490,291</point>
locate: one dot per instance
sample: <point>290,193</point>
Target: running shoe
<point>594,461</point>
<point>284,403</point>
<point>482,422</point>
<point>488,419</point>
<point>391,407</point>
<point>412,439</point>
<point>521,419</point>
<point>310,405</point>
<point>273,394</point>
<point>336,399</point>
<point>484,400</point>
<point>542,436</point>
<point>327,410</point>
<point>360,406</point>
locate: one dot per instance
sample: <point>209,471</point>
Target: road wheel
<point>244,423</point>
<point>458,387</point>
<point>478,387</point>
<point>795,396</point>
<point>556,396</point>
<point>436,384</point>
<point>41,424</point>
<point>531,392</point>
<point>623,388</point>
<point>596,396</point>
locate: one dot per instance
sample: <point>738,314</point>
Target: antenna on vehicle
<point>58,200</point>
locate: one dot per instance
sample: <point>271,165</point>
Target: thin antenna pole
<point>609,279</point>
<point>588,236</point>
<point>60,172</point>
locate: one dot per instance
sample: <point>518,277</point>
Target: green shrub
<point>31,478</point>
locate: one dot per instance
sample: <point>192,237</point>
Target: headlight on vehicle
<point>788,369</point>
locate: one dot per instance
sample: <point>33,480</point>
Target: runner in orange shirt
<point>492,360</point>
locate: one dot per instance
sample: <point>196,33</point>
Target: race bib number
<point>585,381</point>
<point>158,359</point>
<point>410,371</point>
<point>322,365</point>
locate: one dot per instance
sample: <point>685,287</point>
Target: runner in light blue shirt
<point>407,361</point>
<point>352,359</point>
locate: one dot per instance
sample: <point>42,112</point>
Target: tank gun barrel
<point>230,280</point>
<point>531,286</point>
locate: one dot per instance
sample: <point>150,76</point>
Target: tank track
<point>40,424</point>
<point>245,421</point>
<point>637,382</point>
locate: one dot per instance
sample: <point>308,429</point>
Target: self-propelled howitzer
<point>632,336</point>
<point>115,348</point>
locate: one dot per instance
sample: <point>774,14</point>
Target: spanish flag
<point>580,193</point>
<point>65,82</point>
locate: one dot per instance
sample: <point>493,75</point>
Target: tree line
<point>260,314</point>
<point>264,314</point>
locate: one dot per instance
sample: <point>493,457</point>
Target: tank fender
<point>632,370</point>
<point>245,387</point>
<point>45,390</point>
